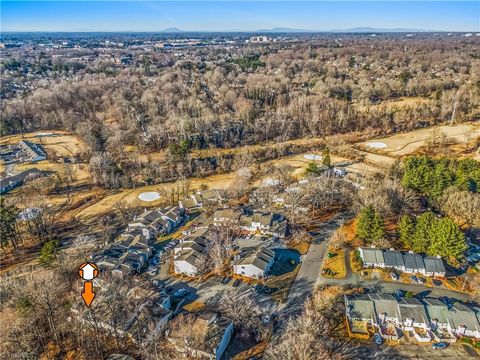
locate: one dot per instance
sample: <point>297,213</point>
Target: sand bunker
<point>377,145</point>
<point>149,196</point>
<point>312,157</point>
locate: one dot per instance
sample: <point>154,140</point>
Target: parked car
<point>152,271</point>
<point>237,283</point>
<point>394,276</point>
<point>414,279</point>
<point>226,280</point>
<point>399,294</point>
<point>421,280</point>
<point>439,345</point>
<point>378,339</point>
<point>436,282</point>
<point>180,293</point>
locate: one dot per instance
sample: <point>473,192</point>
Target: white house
<point>256,264</point>
<point>464,321</point>
<point>372,257</point>
<point>408,262</point>
<point>413,263</point>
<point>438,316</point>
<point>434,266</point>
<point>188,262</point>
<point>386,308</point>
<point>412,314</point>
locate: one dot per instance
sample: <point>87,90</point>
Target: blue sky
<point>236,15</point>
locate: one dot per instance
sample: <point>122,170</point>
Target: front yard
<point>334,264</point>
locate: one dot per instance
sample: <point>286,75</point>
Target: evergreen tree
<point>406,227</point>
<point>49,251</point>
<point>312,169</point>
<point>448,241</point>
<point>370,224</point>
<point>326,157</point>
<point>8,221</point>
<point>423,232</point>
<point>378,227</point>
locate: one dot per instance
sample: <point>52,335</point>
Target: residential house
<point>386,308</point>
<point>226,216</point>
<point>413,263</point>
<point>360,307</point>
<point>412,314</point>
<point>439,321</point>
<point>11,182</point>
<point>372,257</point>
<point>394,259</point>
<point>196,201</point>
<point>434,266</point>
<point>189,254</point>
<point>255,264</point>
<point>31,152</point>
<point>464,321</point>
<point>214,333</point>
<point>408,262</point>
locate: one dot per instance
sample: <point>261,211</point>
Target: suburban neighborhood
<point>240,180</point>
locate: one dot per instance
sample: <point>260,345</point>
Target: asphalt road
<point>424,352</point>
<point>310,271</point>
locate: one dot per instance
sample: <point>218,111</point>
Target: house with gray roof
<point>434,266</point>
<point>412,314</point>
<point>464,320</point>
<point>408,262</point>
<point>437,312</point>
<point>372,257</point>
<point>386,308</point>
<point>413,263</point>
<point>255,264</point>
<point>360,307</point>
<point>394,259</point>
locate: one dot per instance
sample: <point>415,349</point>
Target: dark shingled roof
<point>393,258</point>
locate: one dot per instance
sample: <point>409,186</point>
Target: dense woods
<point>249,94</point>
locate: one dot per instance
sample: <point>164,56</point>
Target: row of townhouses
<point>263,222</point>
<point>132,250</point>
<point>24,151</point>
<point>407,262</point>
<point>197,200</point>
<point>189,257</point>
<point>428,318</point>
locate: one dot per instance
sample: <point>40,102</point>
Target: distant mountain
<point>172,30</point>
<point>372,29</point>
<point>350,30</point>
<point>282,30</point>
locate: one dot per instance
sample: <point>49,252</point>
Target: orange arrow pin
<point>88,293</point>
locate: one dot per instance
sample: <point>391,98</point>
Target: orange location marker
<point>88,271</point>
<point>88,293</point>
